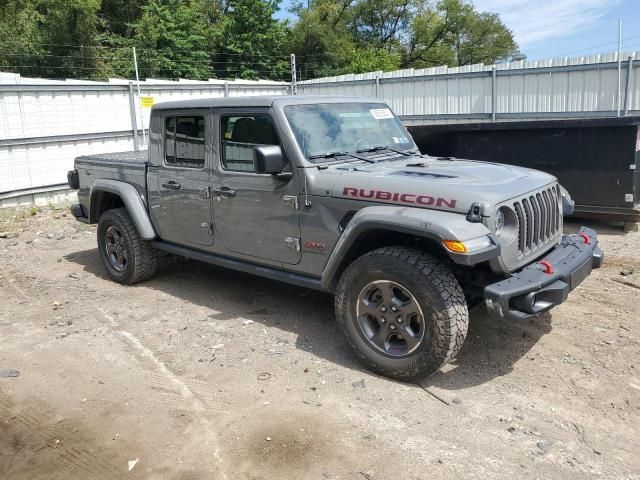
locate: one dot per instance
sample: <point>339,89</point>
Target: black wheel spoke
<point>380,338</point>
<point>369,308</point>
<point>386,290</point>
<point>409,336</point>
<point>411,310</point>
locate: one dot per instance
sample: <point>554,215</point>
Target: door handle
<point>224,192</point>
<point>171,185</point>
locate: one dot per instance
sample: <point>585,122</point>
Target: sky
<point>556,28</point>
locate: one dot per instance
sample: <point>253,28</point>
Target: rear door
<point>179,184</point>
<point>254,214</point>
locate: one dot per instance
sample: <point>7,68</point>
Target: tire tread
<point>144,256</point>
<point>451,316</point>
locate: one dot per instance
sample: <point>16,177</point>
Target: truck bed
<point>138,158</point>
<point>131,166</point>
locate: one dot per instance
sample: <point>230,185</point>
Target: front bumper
<point>547,282</point>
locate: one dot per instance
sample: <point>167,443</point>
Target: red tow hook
<point>585,238</point>
<point>548,268</point>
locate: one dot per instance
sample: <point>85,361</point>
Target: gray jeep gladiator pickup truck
<point>331,193</point>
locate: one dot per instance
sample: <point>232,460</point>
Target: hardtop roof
<point>259,101</point>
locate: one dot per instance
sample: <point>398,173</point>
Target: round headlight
<point>499,222</point>
<point>505,224</point>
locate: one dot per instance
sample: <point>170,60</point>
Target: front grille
<point>538,219</point>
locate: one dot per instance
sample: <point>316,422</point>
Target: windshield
<point>324,129</point>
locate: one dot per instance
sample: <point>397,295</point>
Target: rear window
<point>184,141</point>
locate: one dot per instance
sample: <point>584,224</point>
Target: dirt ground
<point>203,373</point>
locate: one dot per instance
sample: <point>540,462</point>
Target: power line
<point>141,48</point>
<point>178,61</point>
<point>592,47</point>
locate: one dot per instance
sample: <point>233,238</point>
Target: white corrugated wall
<point>578,85</point>
<point>44,125</point>
<point>36,114</point>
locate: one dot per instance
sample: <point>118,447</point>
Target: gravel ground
<point>204,373</point>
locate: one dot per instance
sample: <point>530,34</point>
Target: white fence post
<point>132,112</point>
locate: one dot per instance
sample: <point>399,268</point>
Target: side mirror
<point>269,159</point>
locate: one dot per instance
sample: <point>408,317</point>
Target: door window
<point>240,135</point>
<point>184,141</point>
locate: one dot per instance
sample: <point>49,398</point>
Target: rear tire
<point>127,258</point>
<point>403,312</point>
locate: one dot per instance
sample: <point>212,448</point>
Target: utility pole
<point>619,65</point>
<point>135,63</point>
<point>294,86</point>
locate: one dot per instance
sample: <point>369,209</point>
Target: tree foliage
<point>251,41</point>
<point>171,40</point>
<point>49,37</point>
<point>202,39</point>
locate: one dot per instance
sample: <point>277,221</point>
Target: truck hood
<point>428,182</point>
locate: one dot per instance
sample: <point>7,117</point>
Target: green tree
<point>334,36</point>
<point>454,33</point>
<point>382,23</point>
<point>320,37</point>
<point>241,38</point>
<point>21,38</point>
<point>171,40</point>
<point>120,15</point>
<point>72,28</point>
<point>249,40</point>
<point>50,38</point>
<point>371,60</point>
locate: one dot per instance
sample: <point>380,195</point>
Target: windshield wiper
<point>328,155</point>
<point>385,147</point>
<point>340,154</point>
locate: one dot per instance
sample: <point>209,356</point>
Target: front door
<point>254,214</point>
<point>179,186</point>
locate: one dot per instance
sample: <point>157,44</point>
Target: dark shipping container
<point>596,160</point>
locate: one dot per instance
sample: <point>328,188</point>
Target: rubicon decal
<point>409,198</point>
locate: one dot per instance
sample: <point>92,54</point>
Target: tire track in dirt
<point>29,428</point>
<point>190,401</point>
<point>164,388</point>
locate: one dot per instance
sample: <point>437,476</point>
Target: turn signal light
<point>455,246</point>
<point>468,246</point>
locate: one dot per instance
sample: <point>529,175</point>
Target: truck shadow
<point>491,349</point>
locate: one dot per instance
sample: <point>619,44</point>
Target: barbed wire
<point>178,61</point>
<point>593,47</point>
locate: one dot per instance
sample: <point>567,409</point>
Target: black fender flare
<point>436,225</point>
<point>132,201</point>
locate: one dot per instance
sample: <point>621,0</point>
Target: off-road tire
<point>142,259</point>
<point>435,289</point>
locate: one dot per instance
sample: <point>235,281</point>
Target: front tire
<point>403,312</point>
<point>127,258</point>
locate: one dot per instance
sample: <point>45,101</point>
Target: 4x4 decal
<point>409,198</point>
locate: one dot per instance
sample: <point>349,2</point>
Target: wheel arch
<point>370,239</point>
<point>383,226</point>
<point>107,194</point>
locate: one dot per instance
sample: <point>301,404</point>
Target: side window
<point>240,135</point>
<point>184,141</point>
